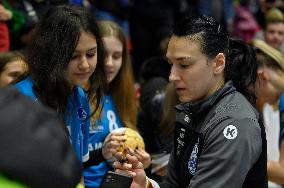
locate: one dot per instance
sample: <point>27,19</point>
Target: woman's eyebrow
<point>91,49</point>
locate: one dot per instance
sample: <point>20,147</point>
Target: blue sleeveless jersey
<point>109,121</point>
<point>76,118</point>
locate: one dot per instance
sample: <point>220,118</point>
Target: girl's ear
<point>219,63</point>
<point>261,74</point>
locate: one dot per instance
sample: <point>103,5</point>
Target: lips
<point>109,72</point>
<point>82,74</point>
<point>179,91</point>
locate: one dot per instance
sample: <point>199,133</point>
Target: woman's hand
<point>130,165</point>
<point>141,155</point>
<point>112,142</point>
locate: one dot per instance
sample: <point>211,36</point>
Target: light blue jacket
<point>76,118</point>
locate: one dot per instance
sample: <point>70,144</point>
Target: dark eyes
<point>88,55</point>
<point>15,74</point>
<point>182,65</point>
<point>117,55</point>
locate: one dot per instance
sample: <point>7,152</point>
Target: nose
<point>84,64</point>
<point>174,74</point>
<point>108,61</point>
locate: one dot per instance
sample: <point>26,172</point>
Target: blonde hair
<point>7,57</point>
<point>274,15</point>
<point>122,88</point>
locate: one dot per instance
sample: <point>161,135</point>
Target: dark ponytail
<point>241,68</point>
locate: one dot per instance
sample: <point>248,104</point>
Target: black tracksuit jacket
<point>219,142</point>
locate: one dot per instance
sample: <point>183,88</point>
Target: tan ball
<point>133,139</point>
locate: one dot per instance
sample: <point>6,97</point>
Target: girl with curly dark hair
<point>66,51</point>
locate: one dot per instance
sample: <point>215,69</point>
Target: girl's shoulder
<point>26,87</point>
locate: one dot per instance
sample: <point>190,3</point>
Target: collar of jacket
<point>194,108</point>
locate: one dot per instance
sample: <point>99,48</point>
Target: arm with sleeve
<point>95,157</point>
<point>230,149</point>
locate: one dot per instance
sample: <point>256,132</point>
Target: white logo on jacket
<point>186,118</point>
<point>230,132</point>
<point>192,163</point>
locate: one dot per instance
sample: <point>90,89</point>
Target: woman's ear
<point>219,64</point>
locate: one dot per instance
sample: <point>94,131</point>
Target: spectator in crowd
<point>67,51</point>
<point>119,105</point>
<point>273,32</point>
<point>5,15</point>
<point>271,64</point>
<point>13,66</point>
<point>244,24</point>
<point>274,28</point>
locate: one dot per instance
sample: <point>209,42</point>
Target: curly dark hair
<point>56,37</point>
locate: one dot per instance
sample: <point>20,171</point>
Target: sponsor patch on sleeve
<point>230,132</point>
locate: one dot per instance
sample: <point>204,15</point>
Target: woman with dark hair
<point>66,52</point>
<point>219,136</point>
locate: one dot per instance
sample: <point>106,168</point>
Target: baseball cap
<point>275,54</point>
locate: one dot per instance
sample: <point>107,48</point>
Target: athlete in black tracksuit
<point>221,139</point>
